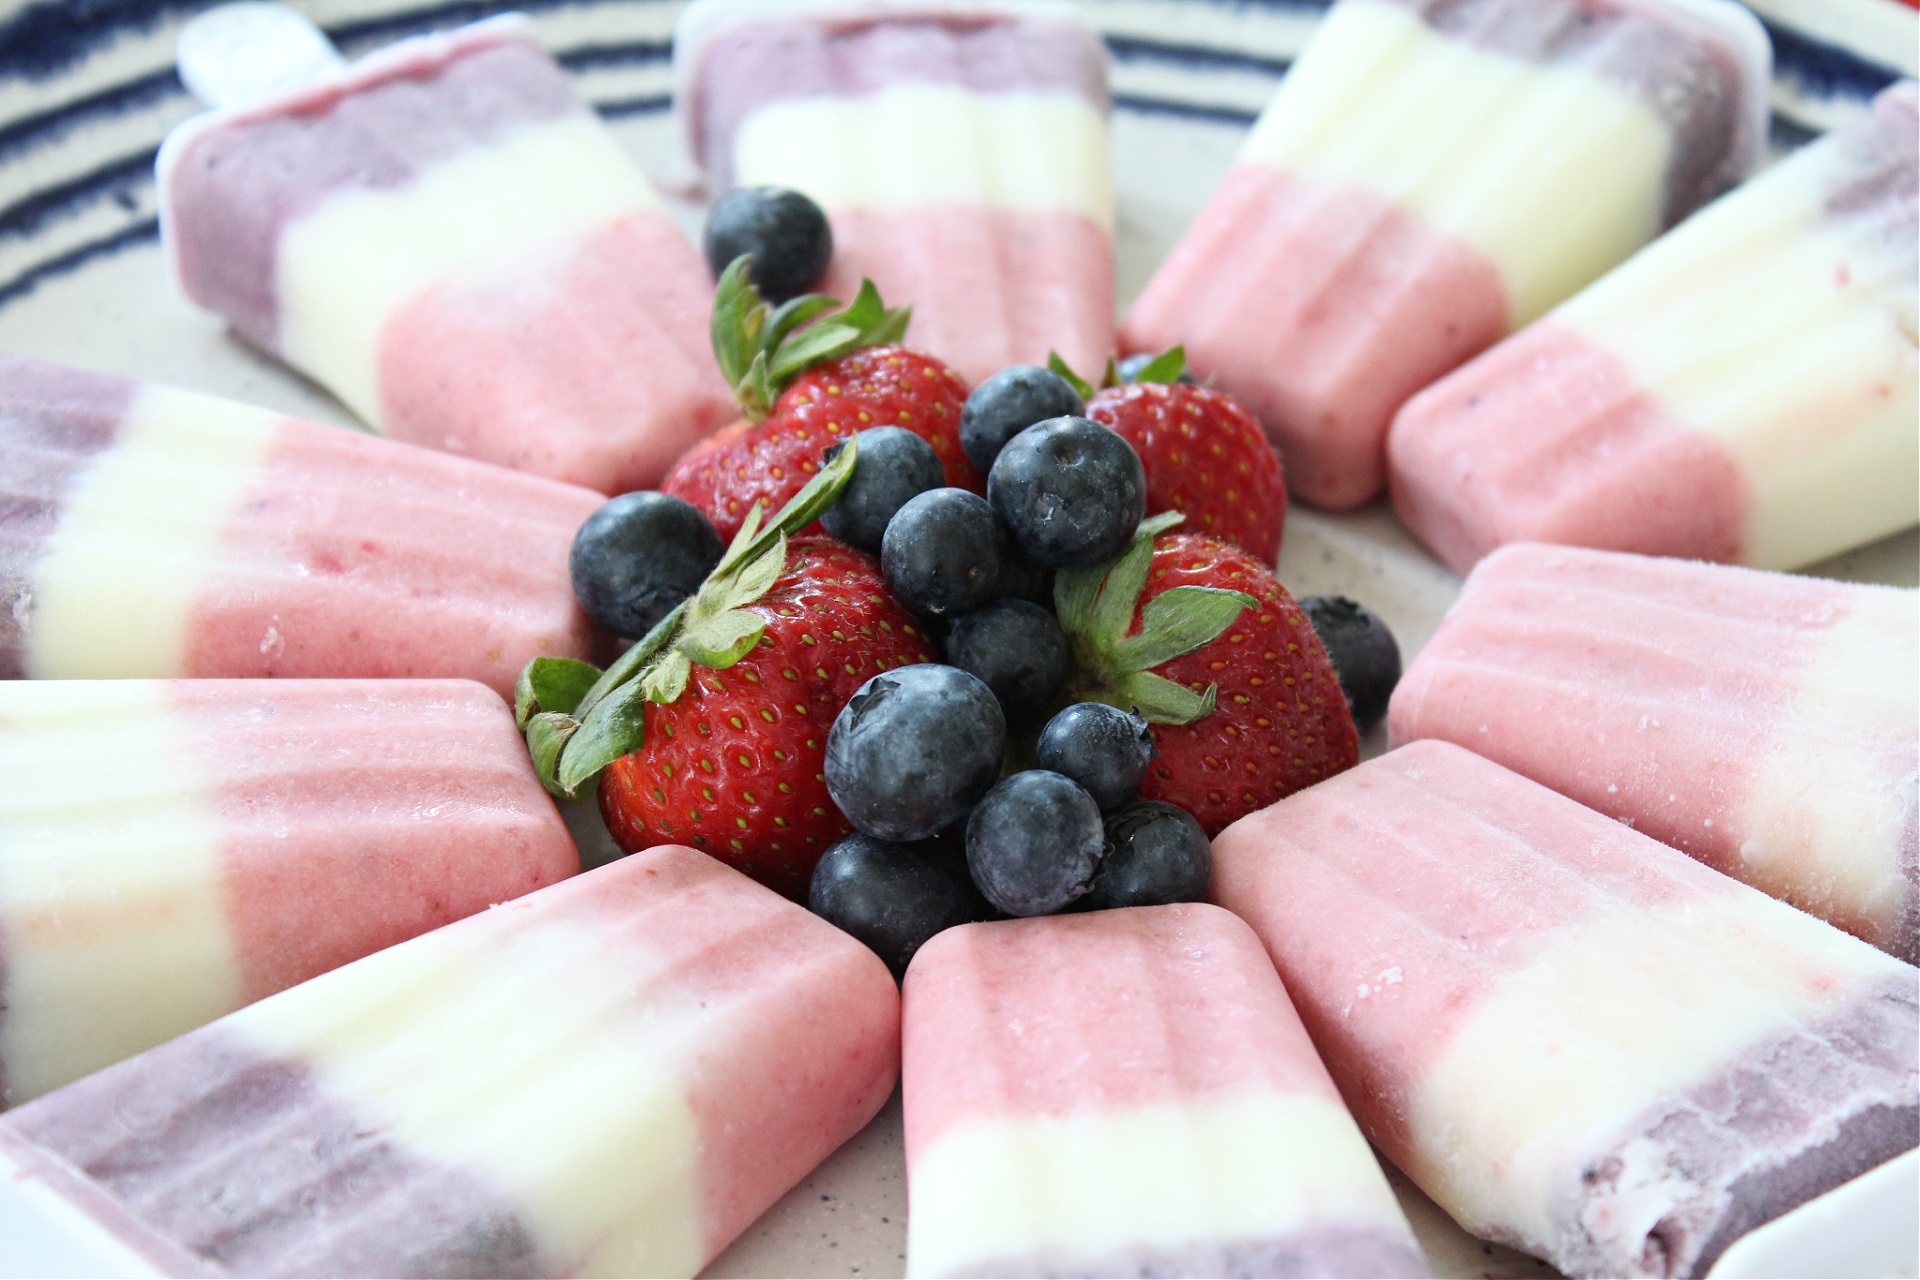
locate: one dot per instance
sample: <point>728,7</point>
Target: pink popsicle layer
<point>351,557</point>
<point>1548,438</point>
<point>989,287</point>
<point>592,368</point>
<point>1339,304</point>
<point>614,1075</point>
<point>357,814</point>
<point>1693,702</point>
<point>1106,1072</point>
<point>172,850</point>
<point>1577,1040</point>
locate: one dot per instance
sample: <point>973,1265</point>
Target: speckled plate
<point>87,90</point>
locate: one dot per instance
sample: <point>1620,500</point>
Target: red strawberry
<point>734,766</point>
<point>1276,720</point>
<point>768,461</point>
<point>712,730</point>
<point>841,374</point>
<point>1204,455</point>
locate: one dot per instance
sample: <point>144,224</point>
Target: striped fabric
<point>87,92</point>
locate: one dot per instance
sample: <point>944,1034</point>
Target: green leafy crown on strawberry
<point>1096,607</point>
<point>579,719</point>
<point>761,349</point>
<point>1165,367</point>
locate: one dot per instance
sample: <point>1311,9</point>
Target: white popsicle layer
<point>1492,150</point>
<point>915,145</point>
<point>139,536</point>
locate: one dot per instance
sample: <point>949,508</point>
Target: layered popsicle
<point>1577,1040</point>
<point>446,237</point>
<point>1743,389</point>
<point>146,531</point>
<point>1766,724</point>
<point>1128,1093</point>
<point>612,1076</point>
<point>172,850</point>
<point>1431,175</point>
<point>959,150</point>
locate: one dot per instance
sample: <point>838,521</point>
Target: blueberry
<point>895,464</point>
<point>1104,749</point>
<point>1130,368</point>
<point>941,553</point>
<point>1158,853</point>
<point>637,557</point>
<point>1070,490</point>
<point>1022,579</point>
<point>1035,843</point>
<point>894,897</point>
<point>913,750</point>
<point>786,233</point>
<point>1017,648</point>
<point>1008,403</point>
<point>1363,651</point>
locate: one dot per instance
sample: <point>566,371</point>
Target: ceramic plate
<point>87,90</point>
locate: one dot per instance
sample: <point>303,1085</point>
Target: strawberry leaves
<point>761,349</point>
<point>1096,608</point>
<point>1165,367</point>
<point>579,719</point>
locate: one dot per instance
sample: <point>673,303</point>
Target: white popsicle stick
<point>242,52</point>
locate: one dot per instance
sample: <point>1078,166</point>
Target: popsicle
<point>1766,724</point>
<point>959,150</point>
<point>1576,1040</point>
<point>447,238</point>
<point>146,531</point>
<point>612,1076</point>
<point>1431,175</point>
<point>172,850</point>
<point>1743,389</point>
<point>1128,1093</point>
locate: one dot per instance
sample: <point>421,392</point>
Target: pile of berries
<point>1018,651</point>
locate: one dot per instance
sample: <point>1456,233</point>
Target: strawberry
<point>712,730</point>
<point>1204,454</point>
<point>804,388</point>
<point>734,767</point>
<point>1197,635</point>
